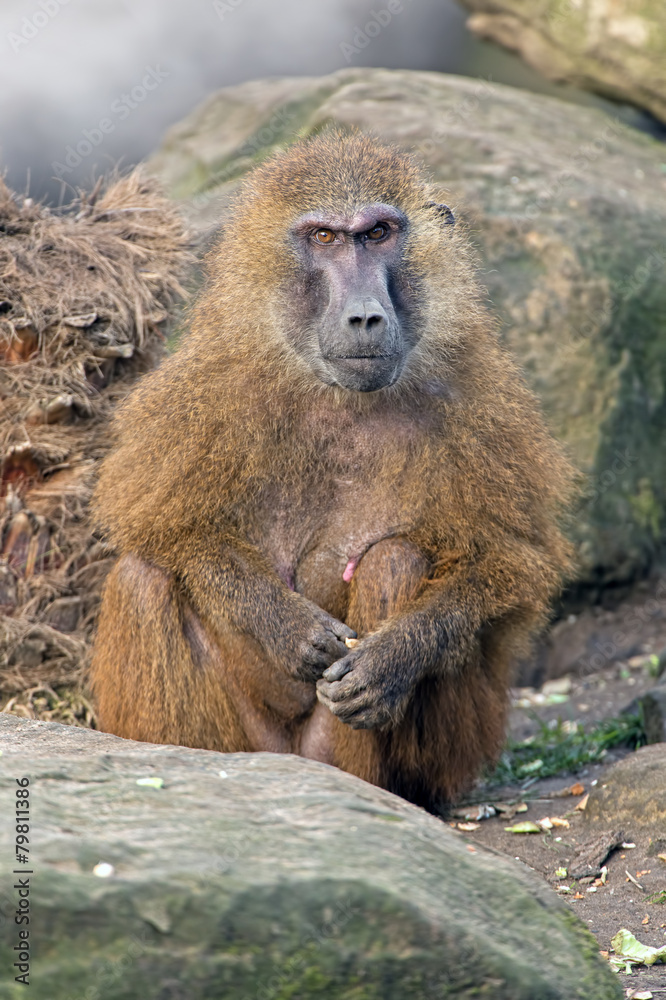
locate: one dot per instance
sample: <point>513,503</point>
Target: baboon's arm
<point>233,585</point>
<point>372,685</point>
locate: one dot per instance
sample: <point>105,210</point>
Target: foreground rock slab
<point>262,876</point>
<point>568,210</point>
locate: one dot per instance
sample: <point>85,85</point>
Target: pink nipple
<point>349,569</point>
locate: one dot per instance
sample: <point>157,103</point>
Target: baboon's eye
<point>324,236</point>
<point>378,232</point>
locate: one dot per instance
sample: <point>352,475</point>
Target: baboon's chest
<point>316,528</point>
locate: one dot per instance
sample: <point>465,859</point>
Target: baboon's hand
<point>367,689</point>
<point>313,641</point>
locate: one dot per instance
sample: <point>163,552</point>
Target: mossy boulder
<point>265,876</point>
<point>567,207</point>
<point>616,48</point>
<point>632,796</point>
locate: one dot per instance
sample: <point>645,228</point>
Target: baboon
<point>340,448</point>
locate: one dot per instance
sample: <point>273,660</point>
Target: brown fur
<point>235,463</point>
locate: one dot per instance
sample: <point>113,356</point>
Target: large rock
<point>262,876</point>
<point>568,208</point>
<point>614,47</point>
<point>652,707</point>
<point>632,796</point>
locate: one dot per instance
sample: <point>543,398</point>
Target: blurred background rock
<point>67,64</point>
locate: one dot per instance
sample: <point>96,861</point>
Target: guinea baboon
<point>339,447</point>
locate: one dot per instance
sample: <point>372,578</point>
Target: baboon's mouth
<point>365,372</point>
<point>366,359</point>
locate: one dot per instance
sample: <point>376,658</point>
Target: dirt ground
<point>593,695</point>
<point>604,908</point>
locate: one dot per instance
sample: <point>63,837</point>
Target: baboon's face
<point>352,307</point>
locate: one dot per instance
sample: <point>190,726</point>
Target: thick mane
<point>333,170</point>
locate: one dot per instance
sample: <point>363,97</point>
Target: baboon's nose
<point>366,316</point>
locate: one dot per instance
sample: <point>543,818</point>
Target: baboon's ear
<point>443,211</point>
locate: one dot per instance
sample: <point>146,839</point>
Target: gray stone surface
<point>568,210</point>
<point>632,796</point>
<point>282,878</point>
<point>652,706</point>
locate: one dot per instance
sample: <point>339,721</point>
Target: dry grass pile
<point>85,299</point>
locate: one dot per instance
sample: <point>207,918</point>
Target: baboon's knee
<point>141,585</point>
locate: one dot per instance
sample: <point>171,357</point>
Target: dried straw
<point>85,301</point>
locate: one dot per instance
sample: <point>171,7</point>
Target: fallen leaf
<point>559,821</point>
<point>576,789</point>
<point>560,686</point>
<point>525,827</point>
<point>561,873</point>
<point>579,895</point>
<point>640,995</point>
<point>103,869</point>
<point>620,964</point>
<point>545,823</point>
<point>625,945</point>
<point>583,802</point>
<point>475,813</point>
<point>471,849</point>
<point>645,920</point>
<point>507,810</point>
<point>533,765</point>
<point>151,782</point>
<point>662,857</point>
<point>641,874</point>
<point>468,827</point>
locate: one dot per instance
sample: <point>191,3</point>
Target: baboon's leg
<point>159,675</point>
<point>454,722</point>
<point>390,574</point>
